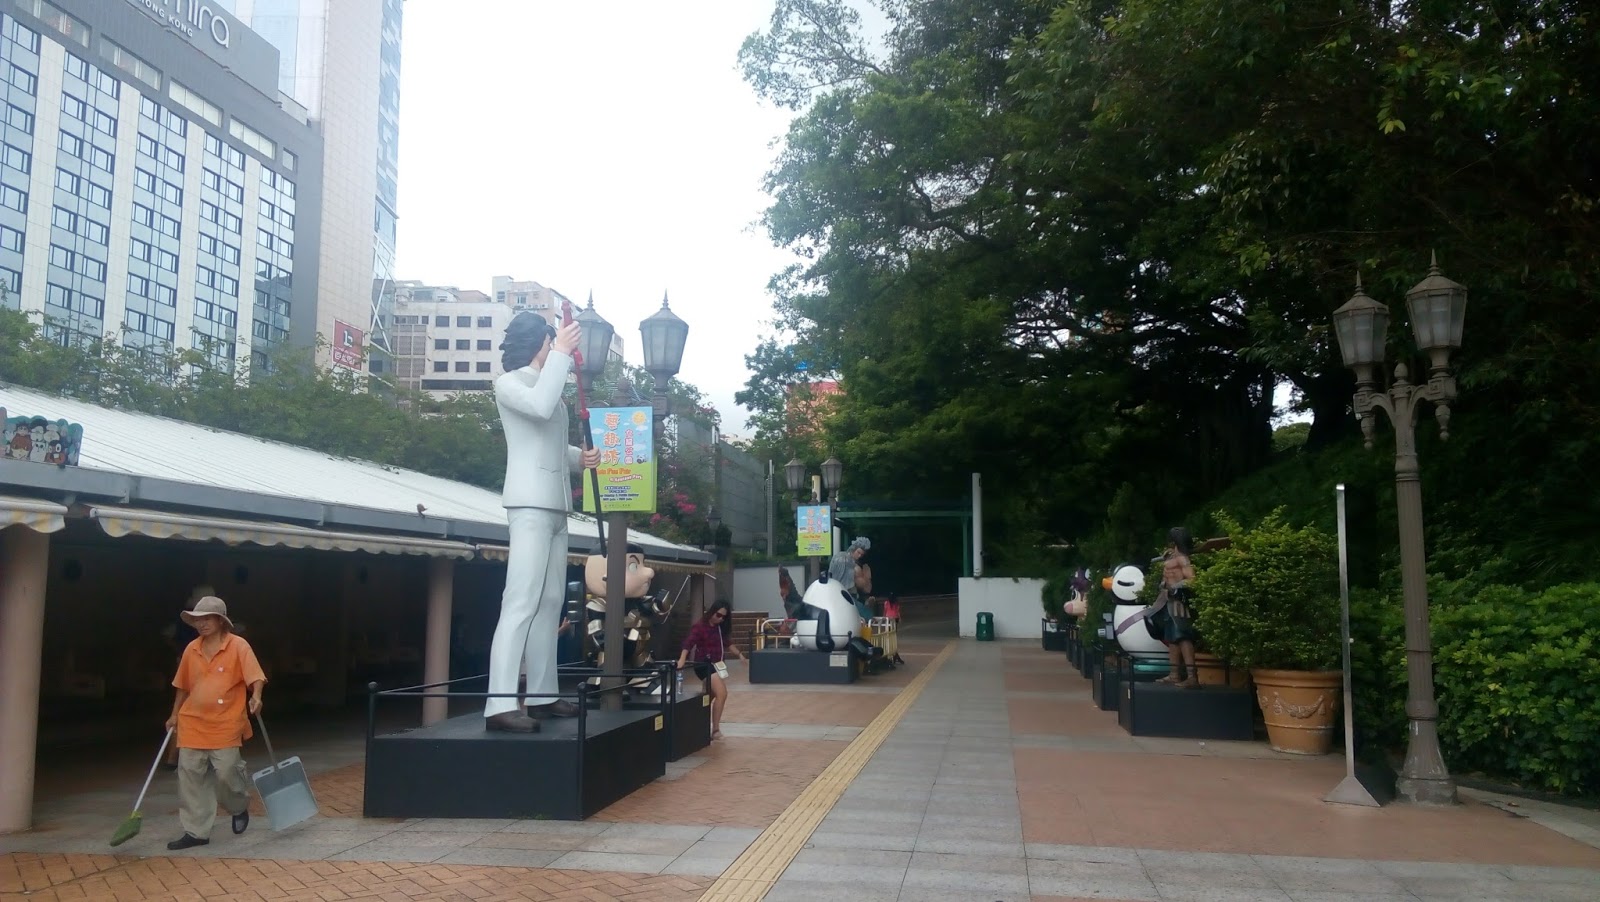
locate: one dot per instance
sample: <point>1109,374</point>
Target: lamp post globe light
<point>664,336</point>
<point>595,344</point>
<point>794,475</point>
<point>1438,311</point>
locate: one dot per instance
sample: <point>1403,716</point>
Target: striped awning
<point>502,554</point>
<point>122,521</point>
<point>39,516</point>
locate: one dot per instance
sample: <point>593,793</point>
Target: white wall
<point>755,588</point>
<point>1015,603</point>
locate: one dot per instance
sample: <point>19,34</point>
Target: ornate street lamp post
<point>795,476</point>
<point>1438,311</point>
<point>595,347</point>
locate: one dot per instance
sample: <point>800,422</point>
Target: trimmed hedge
<point>1516,674</point>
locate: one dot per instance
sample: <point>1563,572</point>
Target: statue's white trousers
<point>530,609</point>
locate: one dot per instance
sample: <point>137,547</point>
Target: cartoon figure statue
<point>1129,618</point>
<point>643,613</point>
<point>1078,604</point>
<point>1171,615</point>
<point>830,619</point>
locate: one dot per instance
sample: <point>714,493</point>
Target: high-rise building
<point>447,340</point>
<point>154,183</point>
<point>544,301</point>
<point>340,59</point>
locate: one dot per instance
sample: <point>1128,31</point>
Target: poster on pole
<point>625,437</point>
<point>814,525</point>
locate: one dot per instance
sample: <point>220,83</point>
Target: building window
<point>18,159</point>
<point>463,366</point>
<point>130,64</point>
<point>485,344</point>
<point>486,322</point>
<point>441,321</point>
<point>463,344</point>
<point>463,322</point>
<point>439,366</point>
<point>60,21</point>
<point>253,139</point>
<point>291,161</point>
<point>13,199</point>
<point>483,366</point>
<point>441,344</point>
<point>196,104</point>
<point>19,118</point>
<point>23,79</point>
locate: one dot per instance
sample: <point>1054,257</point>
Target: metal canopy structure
<point>168,478</point>
<point>942,512</point>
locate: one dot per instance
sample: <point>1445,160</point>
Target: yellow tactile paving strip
<point>753,873</point>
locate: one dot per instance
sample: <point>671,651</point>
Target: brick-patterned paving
<point>814,708</point>
<point>129,879</point>
<point>747,783</point>
<point>1261,807</point>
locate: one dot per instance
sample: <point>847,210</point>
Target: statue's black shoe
<point>559,708</point>
<point>187,842</point>
<point>511,722</point>
<point>241,821</point>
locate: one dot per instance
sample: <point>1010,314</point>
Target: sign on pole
<point>625,437</point>
<point>814,527</point>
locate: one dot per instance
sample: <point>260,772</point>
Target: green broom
<point>129,828</point>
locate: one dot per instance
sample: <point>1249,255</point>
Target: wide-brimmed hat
<point>209,606</point>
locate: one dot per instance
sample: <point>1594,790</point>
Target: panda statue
<point>830,620</point>
<point>1127,625</point>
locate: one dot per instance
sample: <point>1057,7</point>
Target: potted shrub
<point>1270,605</point>
<point>1051,636</point>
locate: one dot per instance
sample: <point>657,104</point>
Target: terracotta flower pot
<point>1213,671</point>
<point>1299,707</point>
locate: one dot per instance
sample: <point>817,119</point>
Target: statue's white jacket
<point>534,418</point>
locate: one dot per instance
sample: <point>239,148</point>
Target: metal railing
<point>584,696</point>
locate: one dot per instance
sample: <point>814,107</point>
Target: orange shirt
<point>213,717</point>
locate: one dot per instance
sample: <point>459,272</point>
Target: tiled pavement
<point>1002,782</point>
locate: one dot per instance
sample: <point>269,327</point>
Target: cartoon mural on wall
<point>40,440</point>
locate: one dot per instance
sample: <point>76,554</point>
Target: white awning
<point>502,554</point>
<point>121,521</point>
<point>39,516</point>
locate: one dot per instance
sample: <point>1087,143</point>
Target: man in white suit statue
<point>537,498</point>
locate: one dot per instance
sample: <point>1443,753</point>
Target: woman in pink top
<point>707,647</point>
<point>891,610</point>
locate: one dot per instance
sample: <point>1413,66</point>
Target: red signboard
<point>348,344</point>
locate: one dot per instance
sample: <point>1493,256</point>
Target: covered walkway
<point>979,772</point>
<point>338,570</point>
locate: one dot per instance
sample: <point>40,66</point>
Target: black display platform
<point>1107,690</point>
<point>1051,636</point>
<point>688,726</point>
<point>1072,646</point>
<point>798,665</point>
<point>1209,712</point>
<point>456,768</point>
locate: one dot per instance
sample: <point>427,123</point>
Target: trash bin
<point>985,626</point>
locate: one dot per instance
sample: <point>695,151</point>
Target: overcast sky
<point>589,146</point>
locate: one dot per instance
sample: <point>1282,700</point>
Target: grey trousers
<point>207,777</point>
